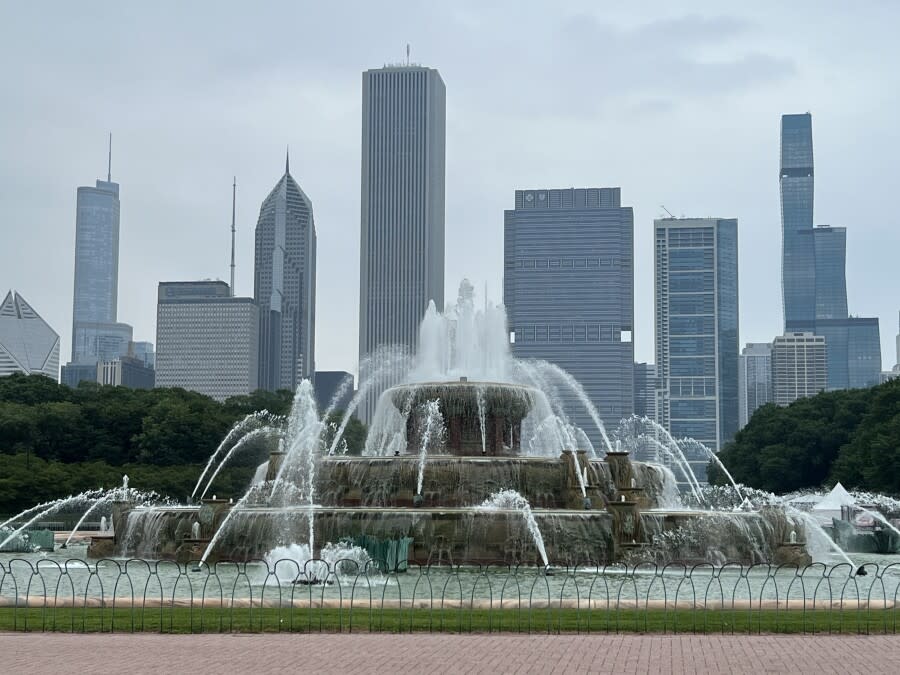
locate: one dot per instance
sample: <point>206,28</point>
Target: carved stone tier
<point>479,418</point>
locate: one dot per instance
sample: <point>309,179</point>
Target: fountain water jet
<point>512,500</point>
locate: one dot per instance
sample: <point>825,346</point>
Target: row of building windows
<point>692,386</point>
<point>570,332</point>
<point>565,263</point>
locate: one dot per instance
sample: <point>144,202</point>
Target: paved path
<point>195,654</point>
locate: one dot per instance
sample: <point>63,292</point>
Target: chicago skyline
<point>718,110</point>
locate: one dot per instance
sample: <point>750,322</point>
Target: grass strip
<point>185,620</point>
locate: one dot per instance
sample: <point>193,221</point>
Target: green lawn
<point>187,620</point>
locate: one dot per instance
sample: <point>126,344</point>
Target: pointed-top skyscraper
<point>285,285</point>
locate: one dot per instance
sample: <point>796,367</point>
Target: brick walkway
<point>129,654</point>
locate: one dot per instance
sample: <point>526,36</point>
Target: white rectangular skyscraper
<point>799,366</point>
<point>206,340</point>
<point>402,207</point>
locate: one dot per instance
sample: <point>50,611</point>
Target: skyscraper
<point>798,267</point>
<point>402,207</point>
<point>96,334</point>
<point>696,280</point>
<point>206,339</point>
<point>285,285</point>
<point>645,390</point>
<point>799,366</point>
<point>754,379</point>
<point>830,244</point>
<point>27,343</point>
<point>568,288</point>
<point>814,270</point>
<point>897,364</point>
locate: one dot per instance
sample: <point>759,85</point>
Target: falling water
<point>102,500</point>
<point>576,388</point>
<point>39,507</point>
<point>581,478</point>
<point>682,465</point>
<point>690,442</point>
<point>250,420</point>
<point>240,445</point>
<point>510,499</point>
<point>434,427</point>
<point>379,369</point>
<point>881,518</point>
<point>54,506</point>
<point>818,543</point>
<point>252,491</point>
<point>479,400</point>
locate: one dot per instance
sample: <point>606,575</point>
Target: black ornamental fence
<point>347,596</point>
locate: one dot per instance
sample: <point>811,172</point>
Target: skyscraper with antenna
<point>284,285</point>
<point>96,333</point>
<point>233,204</point>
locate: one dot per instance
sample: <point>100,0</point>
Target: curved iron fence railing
<point>142,595</point>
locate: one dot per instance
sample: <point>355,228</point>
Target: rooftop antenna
<point>407,53</point>
<point>666,210</point>
<point>233,202</point>
<point>109,161</point>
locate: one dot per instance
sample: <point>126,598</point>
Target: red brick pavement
<point>123,654</point>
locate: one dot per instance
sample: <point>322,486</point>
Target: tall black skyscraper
<point>568,288</point>
<point>285,285</point>
<point>798,266</point>
<point>814,284</point>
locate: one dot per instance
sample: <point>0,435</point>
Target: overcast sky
<point>677,103</point>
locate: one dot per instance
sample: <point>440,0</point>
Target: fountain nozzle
<point>587,503</point>
<point>861,572</point>
<point>418,500</point>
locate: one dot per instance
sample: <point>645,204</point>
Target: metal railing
<point>263,595</point>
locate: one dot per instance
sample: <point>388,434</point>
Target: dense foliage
<point>55,440</point>
<point>850,436</point>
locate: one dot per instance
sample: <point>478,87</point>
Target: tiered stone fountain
<point>588,509</point>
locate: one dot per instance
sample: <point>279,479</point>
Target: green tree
<point>852,436</point>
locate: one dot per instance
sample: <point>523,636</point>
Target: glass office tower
<point>798,268</point>
<point>696,281</point>
<point>568,288</point>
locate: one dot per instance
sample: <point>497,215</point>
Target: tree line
<point>851,436</point>
<point>56,440</point>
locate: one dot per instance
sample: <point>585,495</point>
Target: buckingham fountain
<point>471,459</point>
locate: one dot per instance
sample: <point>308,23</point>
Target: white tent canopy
<point>835,499</point>
<point>830,506</point>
